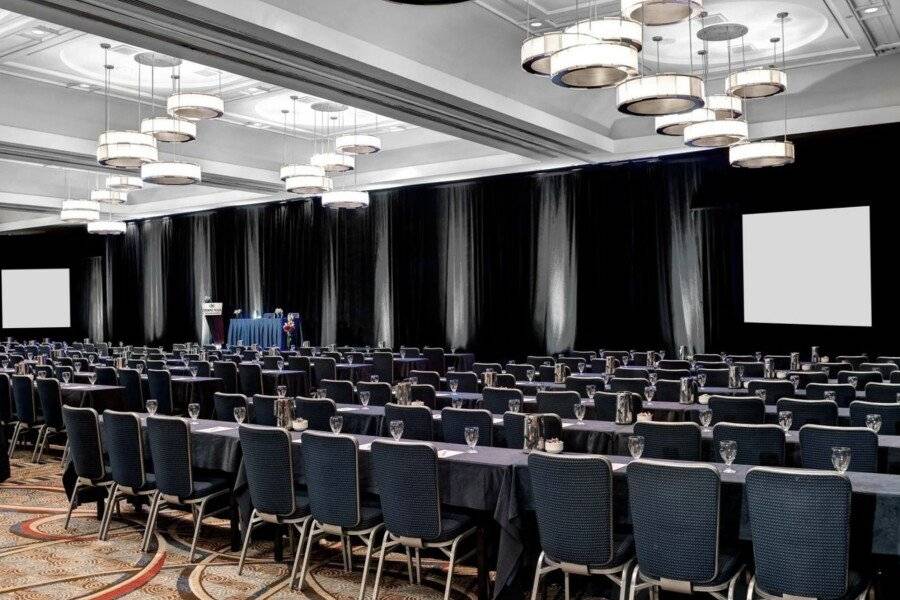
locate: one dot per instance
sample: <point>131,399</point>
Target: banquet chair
<point>668,363</point>
<point>520,372</point>
<point>454,422</point>
<point>585,355</point>
<point>679,550</point>
<point>127,464</point>
<point>331,464</point>
<point>269,465</point>
<point>619,355</point>
<point>667,390</point>
<point>86,454</point>
<point>807,377</point>
<point>380,393</point>
<point>889,359</point>
<point>817,442</point>
<point>800,524</point>
<point>563,515</point>
<point>298,363</point>
<point>407,478</point>
<point>559,403</point>
<point>538,361</point>
<point>263,410</point>
<point>496,399</point>
<point>672,374</point>
<point>437,362</point>
<point>176,481</point>
<point>43,370</point>
<point>605,405</point>
<point>729,409</point>
<point>711,365</point>
<point>756,444</point>
<point>639,358</point>
<point>548,372</point>
<point>431,378</point>
<point>339,391</point>
<point>27,419</point>
<point>740,358</point>
<point>418,423</point>
<point>598,365</point>
<point>133,392</point>
<point>572,363</point>
<point>202,367</point>
<point>235,358</point>
<point>514,428</point>
<point>855,360</point>
<point>715,377</point>
<point>51,403</point>
<point>106,376</point>
<point>895,377</point>
<point>480,367</point>
<point>708,357</point>
<point>635,386</point>
<point>6,403</point>
<point>63,360</point>
<point>889,413</point>
<point>271,362</point>
<point>862,377</point>
<point>832,368</point>
<point>359,358</point>
<point>775,389</point>
<point>158,365</point>
<point>882,392</point>
<point>224,405</point>
<point>383,366</point>
<point>751,368</point>
<point>411,351</point>
<point>424,393</point>
<point>160,385</point>
<point>809,412</point>
<point>670,441</point>
<point>631,373</point>
<point>780,362</point>
<point>250,379</point>
<point>134,362</point>
<point>467,382</point>
<point>317,411</point>
<point>249,355</point>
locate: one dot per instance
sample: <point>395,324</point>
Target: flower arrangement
<point>288,327</point>
<point>279,313</point>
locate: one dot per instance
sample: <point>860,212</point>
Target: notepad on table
<point>448,453</point>
<point>214,429</point>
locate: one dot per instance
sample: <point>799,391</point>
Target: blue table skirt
<point>264,332</point>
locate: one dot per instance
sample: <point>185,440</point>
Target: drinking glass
<point>701,379</point>
<point>590,389</point>
<point>186,362</point>
<point>649,392</point>
<point>785,419</point>
<point>451,369</point>
<point>240,413</point>
<point>853,380</point>
<point>77,366</point>
<point>761,394</point>
<point>402,353</point>
<point>320,393</point>
<point>626,360</point>
<point>830,395</point>
<point>396,428</point>
<point>530,374</point>
<point>193,411</point>
<point>795,381</point>
<point>840,458</point>
<point>364,399</point>
<point>728,452</point>
<point>581,367</point>
<point>758,356</point>
<point>453,384</point>
<point>374,378</point>
<point>66,376</point>
<point>705,418</point>
<point>193,371</point>
<point>140,368</point>
<point>873,422</point>
<point>152,405</point>
<point>92,377</point>
<point>456,402</point>
<point>413,380</point>
<point>280,365</point>
<point>827,371</point>
<point>281,390</point>
<point>579,410</point>
<point>349,359</point>
<point>336,422</point>
<point>515,405</point>
<point>636,445</point>
<point>471,434</point>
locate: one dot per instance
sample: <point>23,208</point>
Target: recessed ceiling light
<point>39,32</point>
<point>536,23</point>
<point>870,10</point>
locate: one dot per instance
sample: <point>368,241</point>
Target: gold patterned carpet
<point>40,560</point>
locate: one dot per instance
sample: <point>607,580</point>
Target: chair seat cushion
<point>301,508</point>
<point>369,516</point>
<point>208,485</point>
<point>452,525</point>
<point>856,583</point>
<point>729,564</point>
<point>623,551</point>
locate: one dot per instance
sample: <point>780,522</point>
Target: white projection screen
<point>808,267</point>
<point>35,298</point>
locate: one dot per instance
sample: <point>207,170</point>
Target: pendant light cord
<point>783,16</point>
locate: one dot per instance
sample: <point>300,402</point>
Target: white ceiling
<point>462,57</point>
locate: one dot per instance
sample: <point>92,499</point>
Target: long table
<point>266,333</point>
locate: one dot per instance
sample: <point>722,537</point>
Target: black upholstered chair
<point>268,462</point>
<point>586,355</point>
<point>263,410</point>
<point>454,422</point>
<point>751,368</point>
<point>407,478</point>
<point>579,384</point>
<point>862,378</point>
<point>324,368</point>
<point>670,441</point>
<point>781,362</point>
<point>106,376</point>
<point>431,378</point>
<point>496,399</point>
<point>707,357</point>
<point>224,405</point>
<point>159,382</point>
<point>809,412</point>
<point>730,409</point>
<point>86,453</point>
<point>6,402</point>
<point>605,405</point>
<point>885,368</point>
<point>816,442</point>
<point>564,514</point>
<point>715,377</point>
<point>632,373</point>
<point>672,374</point>
<point>298,363</point>
<point>635,386</point>
<point>380,392</point>
<point>436,360</point>
<point>520,372</point>
<point>890,415</point>
<point>800,524</point>
<point>51,402</point>
<point>538,361</point>
<point>844,393</point>
<point>573,363</point>
<point>339,391</point>
<point>756,444</point>
<point>466,381</point>
<point>807,377</point>
<point>418,423</point>
<point>775,389</point>
<point>383,366</point>
<point>559,403</point>
<point>157,365</point>
<point>667,390</point>
<point>514,428</point>
<point>250,380</point>
<point>479,368</point>
<point>133,394</point>
<point>177,483</point>
<point>272,362</point>
<point>318,411</point>
<point>27,419</point>
<point>668,363</point>
<point>411,351</point>
<point>227,371</point>
<point>202,366</point>
<point>424,393</point>
<point>882,392</point>
<point>680,550</point>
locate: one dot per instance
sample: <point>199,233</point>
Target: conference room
<point>459,299</point>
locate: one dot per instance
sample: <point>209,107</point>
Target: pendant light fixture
<point>305,180</point>
<point>537,50</point>
<point>194,106</point>
<point>79,211</point>
<point>757,82</point>
<point>123,183</point>
<point>122,149</point>
<point>660,12</point>
<point>172,172</point>
<point>109,196</point>
<point>329,159</point>
<point>357,144</point>
<point>107,226</point>
<point>725,106</point>
<point>674,125</point>
<point>345,199</point>
<point>163,128</point>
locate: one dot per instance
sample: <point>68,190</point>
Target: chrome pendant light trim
<point>717,133</point>
<point>657,95</point>
<point>332,162</point>
<point>345,199</point>
<point>124,183</point>
<point>762,153</point>
<point>610,29</point>
<point>660,12</point>
<point>79,211</point>
<point>171,173</point>
<point>756,83</point>
<point>170,129</point>
<point>674,124</point>
<point>355,145</point>
<point>126,149</point>
<point>593,65</point>
<point>195,106</point>
<point>106,227</point>
<point>288,171</point>
<point>725,106</point>
<point>308,185</point>
<point>109,196</point>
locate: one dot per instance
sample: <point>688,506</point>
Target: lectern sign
<point>211,309</point>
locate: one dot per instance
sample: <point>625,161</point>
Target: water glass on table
<point>728,452</point>
<point>785,419</point>
<point>240,414</point>
<point>337,423</point>
<point>579,410</point>
<point>66,376</point>
<point>581,367</point>
<point>194,372</point>
<point>92,378</point>
<point>193,412</point>
<point>471,434</point>
<point>396,429</point>
<point>705,418</point>
<point>281,390</point>
<point>873,422</point>
<point>590,389</point>
<point>515,405</point>
<point>840,459</point>
<point>853,380</point>
<point>636,445</point>
<point>152,406</point>
<point>649,392</point>
<point>364,398</point>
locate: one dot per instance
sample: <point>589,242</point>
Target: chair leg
<point>369,543</point>
<point>43,444</point>
<point>384,548</point>
<point>65,454</point>
<point>15,438</point>
<point>151,522</point>
<point>309,541</point>
<point>418,567</point>
<point>349,545</point>
<point>303,533</point>
<point>409,566</point>
<point>634,577</point>
<point>197,525</point>
<point>450,568</point>
<point>246,543</point>
<point>623,586</point>
<point>750,588</point>
<point>107,512</point>
<point>537,577</point>
<point>72,502</point>
<point>41,432</point>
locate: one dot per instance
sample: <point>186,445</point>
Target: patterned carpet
<point>39,560</point>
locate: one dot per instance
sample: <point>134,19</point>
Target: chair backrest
<point>106,376</point>
<point>406,475</point>
<point>23,397</point>
<point>781,362</point>
<point>133,394</point>
<point>226,370</point>
<point>756,444</point>
<point>424,393</point>
<point>675,513</point>
<point>734,409</point>
<point>667,390</point>
<point>331,465</point>
<point>380,393</point>
<point>537,361</point>
<point>496,399</point>
<point>832,368</point>
<point>711,365</point>
<point>574,527</point>
<point>807,377</point>
<point>519,371</point>
<point>299,363</point>
<point>318,411</point>
<point>151,364</point>
<point>269,466</point>
<point>339,391</point>
<point>507,380</point>
<point>668,363</point>
<point>85,446</point>
<point>51,401</point>
<point>202,367</point>
<point>324,368</point>
<point>800,524</point>
<point>635,386</point>
<point>579,384</point>
<point>60,369</point>
<point>809,412</point>
<point>411,351</point>
<point>418,423</point>
<point>670,441</point>
<point>631,373</point>
<point>816,442</point>
<point>585,355</point>
<point>605,405</point>
<point>514,428</point>
<point>715,377</point>
<point>741,358</point>
<point>271,362</point>
<point>454,422</point>
<point>862,377</point>
<point>775,389</point>
<point>885,368</point>
<point>751,368</point>
<point>170,446</point>
<point>431,378</point>
<point>479,368</point>
<point>572,362</point>
<point>672,374</point>
<point>436,359</point>
<point>890,415</point>
<point>467,381</point>
<point>882,392</point>
<point>125,447</point>
<point>708,357</point>
<point>383,366</point>
<point>844,393</point>
<point>224,405</point>
<point>5,399</point>
<point>559,403</point>
<point>159,382</point>
<point>250,379</point>
<point>263,410</point>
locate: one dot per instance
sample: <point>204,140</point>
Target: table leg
<point>484,592</point>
